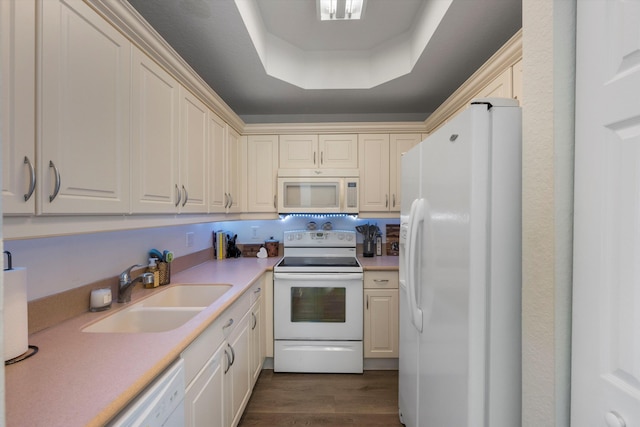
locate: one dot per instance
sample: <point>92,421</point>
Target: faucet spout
<point>127,284</point>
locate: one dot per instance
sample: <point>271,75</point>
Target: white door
<point>606,305</point>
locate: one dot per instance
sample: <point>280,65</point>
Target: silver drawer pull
<point>257,291</point>
<point>381,280</point>
<point>228,324</point>
<point>186,196</point>
<point>179,195</point>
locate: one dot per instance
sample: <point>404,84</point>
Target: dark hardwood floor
<point>281,399</point>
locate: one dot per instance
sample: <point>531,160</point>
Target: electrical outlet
<point>189,239</point>
<point>254,232</point>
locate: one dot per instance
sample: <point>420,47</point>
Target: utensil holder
<point>368,247</point>
<point>164,271</point>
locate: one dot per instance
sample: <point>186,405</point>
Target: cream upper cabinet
<point>398,145</point>
<point>154,137</point>
<point>83,162</point>
<point>517,81</point>
<point>217,164</point>
<point>226,167</point>
<point>380,156</point>
<point>500,87</point>
<point>373,150</point>
<point>318,152</point>
<point>194,124</point>
<point>236,154</point>
<point>17,108</point>
<point>338,151</point>
<point>262,173</point>
<point>381,317</point>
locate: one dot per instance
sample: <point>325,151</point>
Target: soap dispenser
<point>153,268</point>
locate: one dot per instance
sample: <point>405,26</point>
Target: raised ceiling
<point>275,61</point>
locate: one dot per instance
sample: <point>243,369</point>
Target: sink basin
<point>143,319</point>
<point>163,311</point>
<point>186,296</point>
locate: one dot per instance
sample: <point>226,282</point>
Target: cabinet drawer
<point>381,279</point>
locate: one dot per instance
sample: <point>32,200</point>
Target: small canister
<point>272,246</point>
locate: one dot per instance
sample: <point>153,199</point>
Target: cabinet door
<point>85,97</point>
<point>373,153</point>
<point>204,396</point>
<point>499,87</point>
<point>262,173</point>
<point>235,170</point>
<point>154,143</point>
<point>194,117</point>
<point>381,323</point>
<point>217,170</point>
<point>338,151</point>
<point>17,108</point>
<point>298,151</point>
<point>399,144</point>
<point>516,75</point>
<point>237,378</point>
<point>257,340</point>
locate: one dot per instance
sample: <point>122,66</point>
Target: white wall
<point>548,139</point>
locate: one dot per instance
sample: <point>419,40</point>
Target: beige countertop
<point>84,379</point>
<point>379,262</point>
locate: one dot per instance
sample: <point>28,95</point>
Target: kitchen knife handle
<point>186,196</point>
<point>179,195</point>
<point>32,179</point>
<point>56,188</point>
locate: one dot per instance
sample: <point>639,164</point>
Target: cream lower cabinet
<point>84,81</point>
<point>17,105</point>
<point>221,364</point>
<point>381,322</point>
<point>380,157</point>
<point>262,173</point>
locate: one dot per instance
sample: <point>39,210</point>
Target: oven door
<point>318,306</point>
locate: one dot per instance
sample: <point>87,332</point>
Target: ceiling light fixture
<point>337,10</point>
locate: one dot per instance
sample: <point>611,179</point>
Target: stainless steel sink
<point>163,311</point>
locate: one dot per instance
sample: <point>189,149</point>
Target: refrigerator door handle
<point>413,260</point>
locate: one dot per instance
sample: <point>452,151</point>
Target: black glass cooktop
<point>319,262</point>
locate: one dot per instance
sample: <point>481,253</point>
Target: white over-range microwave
<point>318,191</point>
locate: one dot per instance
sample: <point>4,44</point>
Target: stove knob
<point>289,236</point>
<point>349,237</point>
<point>298,236</point>
<point>340,236</point>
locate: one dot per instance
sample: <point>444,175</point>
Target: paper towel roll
<point>16,329</point>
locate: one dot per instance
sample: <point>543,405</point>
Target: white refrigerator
<point>460,272</point>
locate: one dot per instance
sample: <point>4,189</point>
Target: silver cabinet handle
<point>255,321</point>
<point>257,291</point>
<point>56,188</point>
<point>186,196</point>
<point>226,353</point>
<point>179,195</point>
<point>394,200</point>
<point>230,200</point>
<point>367,302</point>
<point>386,200</point>
<point>322,157</point>
<point>314,158</point>
<point>32,179</point>
<point>233,354</point>
<point>226,200</point>
<point>381,280</point>
<point>275,199</point>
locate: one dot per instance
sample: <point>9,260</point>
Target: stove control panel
<point>332,238</point>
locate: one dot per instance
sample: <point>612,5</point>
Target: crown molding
<point>132,25</point>
<point>334,128</point>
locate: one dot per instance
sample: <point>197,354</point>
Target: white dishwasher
<point>159,405</point>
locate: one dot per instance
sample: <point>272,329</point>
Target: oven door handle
<point>326,277</point>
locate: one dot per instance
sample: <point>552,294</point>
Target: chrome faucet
<point>127,285</point>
